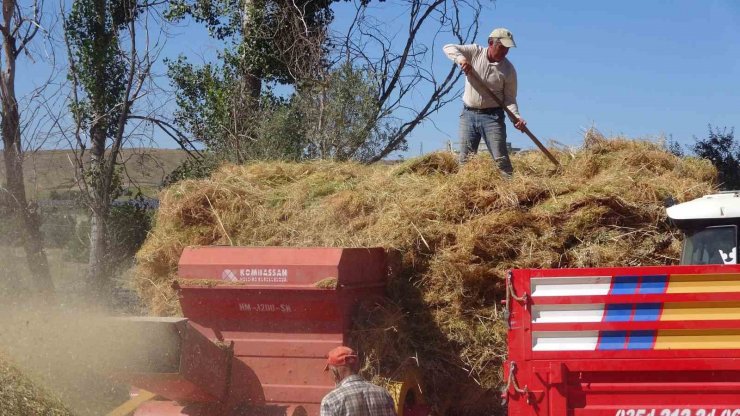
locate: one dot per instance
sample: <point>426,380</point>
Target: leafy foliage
<point>58,227</point>
<point>191,169</point>
<point>325,118</point>
<point>200,98</point>
<point>92,29</point>
<point>107,79</point>
<point>259,31</point>
<point>211,105</point>
<point>112,186</point>
<point>230,106</point>
<point>281,132</point>
<point>337,111</point>
<point>723,151</point>
<point>127,228</point>
<point>362,109</point>
<point>674,147</point>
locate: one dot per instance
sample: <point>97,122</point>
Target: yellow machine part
<point>406,391</point>
<point>132,404</point>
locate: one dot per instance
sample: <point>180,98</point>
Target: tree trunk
<point>11,131</point>
<point>99,201</point>
<point>253,88</point>
<point>247,110</point>
<point>249,90</point>
<point>98,278</point>
<point>26,214</point>
<point>251,84</point>
<point>98,198</point>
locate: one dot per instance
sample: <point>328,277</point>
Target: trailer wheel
<point>408,395</point>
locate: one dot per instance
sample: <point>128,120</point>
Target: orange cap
<point>340,356</point>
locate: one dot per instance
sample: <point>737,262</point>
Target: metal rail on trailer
<point>630,341</point>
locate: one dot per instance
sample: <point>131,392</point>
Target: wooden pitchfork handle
<point>477,82</point>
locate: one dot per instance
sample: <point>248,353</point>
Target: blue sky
<point>643,69</point>
<point>638,68</point>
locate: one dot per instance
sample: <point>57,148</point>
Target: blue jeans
<point>490,126</point>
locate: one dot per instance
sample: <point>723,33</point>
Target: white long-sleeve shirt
<point>499,76</point>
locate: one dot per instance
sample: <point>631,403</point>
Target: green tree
<point>127,226</point>
<point>224,105</point>
<point>723,151</point>
<point>336,111</point>
<point>265,40</point>
<point>211,108</point>
<point>108,68</point>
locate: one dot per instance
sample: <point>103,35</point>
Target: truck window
<point>711,245</point>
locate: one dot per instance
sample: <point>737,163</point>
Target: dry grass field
<point>49,170</point>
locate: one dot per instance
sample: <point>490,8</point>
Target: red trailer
<point>634,341</point>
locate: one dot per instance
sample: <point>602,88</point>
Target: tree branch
<point>174,133</point>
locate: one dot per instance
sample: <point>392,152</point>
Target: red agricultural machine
<point>257,325</point>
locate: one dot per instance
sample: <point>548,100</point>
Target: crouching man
<point>353,396</point>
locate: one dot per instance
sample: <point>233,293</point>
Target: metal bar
<point>636,325</point>
<point>670,408</point>
<point>705,269</point>
<point>651,298</point>
<point>477,82</point>
<point>213,284</point>
<point>129,406</point>
<point>714,387</point>
<point>731,358</point>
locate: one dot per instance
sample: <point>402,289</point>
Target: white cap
<point>504,35</point>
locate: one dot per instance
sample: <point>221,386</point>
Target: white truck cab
<point>710,226</point>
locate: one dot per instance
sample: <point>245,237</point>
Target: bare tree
<point>408,90</point>
<point>20,25</point>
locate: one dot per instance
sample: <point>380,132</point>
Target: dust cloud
<point>78,352</point>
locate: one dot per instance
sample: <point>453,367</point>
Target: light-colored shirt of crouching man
<point>353,395</point>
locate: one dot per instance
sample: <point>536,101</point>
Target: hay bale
<point>429,164</point>
<point>458,229</point>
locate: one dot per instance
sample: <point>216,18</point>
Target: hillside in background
<point>52,170</point>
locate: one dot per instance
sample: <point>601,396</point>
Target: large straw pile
<point>457,229</point>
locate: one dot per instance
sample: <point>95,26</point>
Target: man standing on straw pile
<point>353,396</point>
<point>482,116</point>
